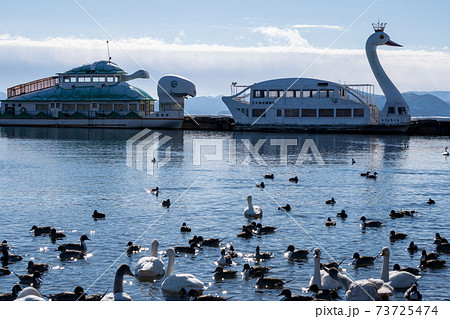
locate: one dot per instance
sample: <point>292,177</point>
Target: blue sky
<point>214,43</point>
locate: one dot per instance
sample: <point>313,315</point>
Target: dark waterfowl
<point>365,174</point>
<point>353,161</point>
<point>370,223</point>
<point>185,249</point>
<point>323,294</point>
<point>408,212</point>
<point>41,230</point>
<point>431,202</point>
<point>195,297</point>
<point>166,203</point>
<point>412,248</point>
<point>394,214</point>
<point>132,249</point>
<point>396,236</point>
<point>254,271</point>
<point>4,245</point>
<point>245,234</point>
<point>155,190</point>
<point>294,179</point>
<point>330,201</point>
<point>76,295</point>
<point>432,263</point>
<point>7,257</point>
<point>342,214</point>
<point>54,234</point>
<point>288,296</point>
<point>413,294</point>
<point>260,229</point>
<point>331,264</point>
<point>11,296</point>
<point>32,280</point>
<point>4,272</point>
<point>363,261</point>
<point>330,223</point>
<point>67,254</point>
<point>232,253</point>
<point>185,229</point>
<point>442,247</point>
<point>442,239</point>
<point>40,267</point>
<point>411,270</point>
<point>194,240</point>
<point>260,255</point>
<point>220,273</point>
<point>286,208</point>
<point>293,254</point>
<point>251,226</point>
<point>269,282</point>
<point>225,259</point>
<point>372,176</point>
<point>76,246</point>
<point>98,215</point>
<point>262,185</point>
<point>269,176</point>
<point>210,242</point>
<point>428,256</point>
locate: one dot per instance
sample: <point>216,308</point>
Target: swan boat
<point>307,104</point>
<point>96,95</point>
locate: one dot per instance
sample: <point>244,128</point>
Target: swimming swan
<point>29,294</point>
<point>175,283</point>
<point>118,294</point>
<point>397,279</point>
<point>320,277</point>
<point>252,211</point>
<point>150,267</point>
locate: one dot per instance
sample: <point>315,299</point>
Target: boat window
<point>391,110</point>
<point>109,79</point>
<point>94,105</point>
<point>292,113</point>
<point>279,112</point>
<point>117,79</point>
<point>98,79</point>
<point>83,107</point>
<point>290,94</point>
<point>273,94</point>
<point>402,110</point>
<point>132,107</point>
<point>68,107</point>
<point>309,113</point>
<point>70,79</point>
<point>84,79</point>
<point>343,112</point>
<point>41,107</point>
<point>120,107</point>
<point>313,93</point>
<point>326,112</point>
<point>259,93</point>
<point>243,111</point>
<point>106,107</point>
<point>358,112</point>
<point>52,105</point>
<point>326,93</point>
<point>343,93</point>
<point>306,94</point>
<point>258,112</point>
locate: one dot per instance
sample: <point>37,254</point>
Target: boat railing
<point>243,96</point>
<point>361,92</point>
<point>33,86</point>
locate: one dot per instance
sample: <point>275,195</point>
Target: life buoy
<point>23,109</point>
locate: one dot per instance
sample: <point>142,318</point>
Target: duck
<point>98,215</point>
<point>412,248</point>
<point>67,254</point>
<point>269,282</point>
<point>254,271</point>
<point>260,229</point>
<point>294,179</point>
<point>432,263</point>
<point>371,223</point>
<point>4,245</point>
<point>365,174</point>
<point>251,226</point>
<point>372,176</point>
<point>288,296</point>
<point>320,276</point>
<point>7,257</point>
<point>4,271</point>
<point>442,247</point>
<point>232,253</point>
<point>407,212</point>
<point>252,211</point>
<point>75,246</point>
<point>286,208</point>
<point>29,294</point>
<point>193,294</point>
<point>411,270</point>
<point>246,233</point>
<point>220,273</point>
<point>132,249</point>
<point>431,202</point>
<point>224,260</point>
<point>442,239</point>
<point>413,294</point>
<point>335,264</point>
<point>34,280</point>
<point>155,190</point>
<point>396,279</point>
<point>210,242</point>
<point>118,294</point>
<point>445,152</point>
<point>342,214</point>
<point>40,267</point>
<point>362,261</point>
<point>41,230</point>
<point>330,201</point>
<point>361,290</point>
<point>329,222</point>
<point>428,256</point>
<point>148,268</point>
<point>165,203</point>
<point>54,234</point>
<point>194,240</point>
<point>261,185</point>
<point>10,296</point>
<point>323,294</point>
<point>269,176</point>
<point>185,228</point>
<point>353,161</point>
<point>186,249</point>
<point>396,236</point>
<point>259,255</point>
<point>174,283</point>
<point>393,214</point>
<point>76,295</point>
<point>293,254</point>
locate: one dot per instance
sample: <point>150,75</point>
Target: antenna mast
<point>107,47</point>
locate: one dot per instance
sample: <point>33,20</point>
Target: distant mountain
<point>421,104</point>
<point>206,105</point>
<point>443,95</point>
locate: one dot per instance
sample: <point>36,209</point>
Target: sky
<point>214,43</point>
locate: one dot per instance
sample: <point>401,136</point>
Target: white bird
<point>179,282</point>
<point>118,294</point>
<point>252,211</point>
<point>320,277</point>
<point>148,268</point>
<point>445,152</point>
<point>397,279</point>
<point>225,259</point>
<point>29,294</point>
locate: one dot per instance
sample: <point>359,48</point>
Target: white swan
<point>445,152</point>
<point>361,290</point>
<point>118,294</point>
<point>150,267</point>
<point>397,279</point>
<point>176,283</point>
<point>252,211</point>
<point>29,294</point>
<point>320,277</point>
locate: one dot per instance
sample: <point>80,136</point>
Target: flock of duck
<point>328,280</point>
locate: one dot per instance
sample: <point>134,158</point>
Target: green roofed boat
<point>96,95</point>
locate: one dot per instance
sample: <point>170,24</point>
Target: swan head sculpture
<point>382,38</point>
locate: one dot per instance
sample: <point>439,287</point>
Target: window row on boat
<point>305,93</point>
<point>306,112</point>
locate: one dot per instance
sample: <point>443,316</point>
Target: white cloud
<point>314,26</point>
<point>279,36</point>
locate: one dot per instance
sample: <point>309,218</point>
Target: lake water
<point>57,177</point>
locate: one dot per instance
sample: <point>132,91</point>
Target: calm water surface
<point>57,177</point>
